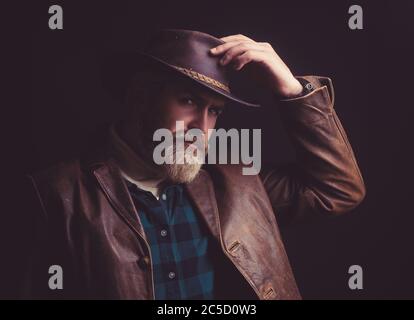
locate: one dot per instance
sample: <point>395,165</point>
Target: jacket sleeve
<point>325,178</point>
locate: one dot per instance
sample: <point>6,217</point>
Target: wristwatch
<point>307,86</point>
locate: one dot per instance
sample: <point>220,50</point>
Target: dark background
<point>59,101</point>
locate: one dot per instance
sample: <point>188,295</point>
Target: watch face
<point>309,87</point>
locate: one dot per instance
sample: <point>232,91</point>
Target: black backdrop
<point>371,71</point>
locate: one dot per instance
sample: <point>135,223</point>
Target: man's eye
<point>215,111</point>
<point>187,101</point>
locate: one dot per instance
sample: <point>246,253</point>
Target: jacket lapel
<point>111,182</point>
<point>201,192</point>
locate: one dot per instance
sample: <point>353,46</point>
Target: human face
<point>196,107</point>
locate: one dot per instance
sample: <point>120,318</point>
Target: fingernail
<point>213,50</point>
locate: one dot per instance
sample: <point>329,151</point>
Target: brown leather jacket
<point>89,226</point>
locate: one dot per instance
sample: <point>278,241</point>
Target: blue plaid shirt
<point>179,243</point>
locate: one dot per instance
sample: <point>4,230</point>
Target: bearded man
<point>121,226</point>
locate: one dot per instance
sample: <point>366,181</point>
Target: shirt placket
<point>164,230</point>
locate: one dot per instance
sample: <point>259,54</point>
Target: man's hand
<point>240,50</point>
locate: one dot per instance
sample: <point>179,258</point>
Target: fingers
<point>241,60</point>
<point>230,41</point>
<point>241,50</point>
<point>237,50</point>
<point>236,37</point>
<point>224,47</point>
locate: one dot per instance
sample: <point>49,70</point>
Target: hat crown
<point>182,52</point>
<point>188,50</point>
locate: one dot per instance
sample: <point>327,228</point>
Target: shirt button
<point>164,233</point>
<point>163,196</point>
<point>171,275</point>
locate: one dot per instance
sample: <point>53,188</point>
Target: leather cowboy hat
<point>183,52</point>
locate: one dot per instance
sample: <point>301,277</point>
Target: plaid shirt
<point>179,244</point>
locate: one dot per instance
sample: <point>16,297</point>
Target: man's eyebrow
<point>199,98</point>
<point>221,105</point>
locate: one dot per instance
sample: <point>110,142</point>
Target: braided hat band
<point>198,76</point>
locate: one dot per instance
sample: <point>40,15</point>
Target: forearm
<point>326,177</point>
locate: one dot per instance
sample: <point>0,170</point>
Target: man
<point>121,226</point>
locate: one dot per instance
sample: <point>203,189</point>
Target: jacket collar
<point>132,166</point>
<point>113,185</point>
<point>99,162</point>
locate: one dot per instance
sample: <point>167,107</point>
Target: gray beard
<point>173,172</point>
<point>181,173</point>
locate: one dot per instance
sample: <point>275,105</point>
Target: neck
<point>132,160</point>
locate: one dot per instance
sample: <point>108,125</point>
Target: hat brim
<point>131,62</point>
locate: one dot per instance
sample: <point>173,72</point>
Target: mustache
<point>184,135</point>
<point>190,141</point>
<point>190,154</point>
